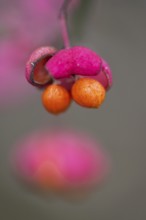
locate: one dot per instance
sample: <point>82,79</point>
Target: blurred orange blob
<point>49,176</point>
<point>88,92</point>
<point>56,99</point>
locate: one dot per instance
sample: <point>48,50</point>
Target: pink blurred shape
<point>61,161</point>
<point>24,26</point>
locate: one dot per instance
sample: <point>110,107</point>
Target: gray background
<point>116,29</point>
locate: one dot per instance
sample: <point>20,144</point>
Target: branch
<point>63,22</point>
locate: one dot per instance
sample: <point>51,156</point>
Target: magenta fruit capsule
<point>105,76</point>
<point>36,73</point>
<point>76,60</point>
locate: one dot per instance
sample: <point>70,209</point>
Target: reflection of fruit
<point>88,92</point>
<point>56,99</point>
<point>62,161</point>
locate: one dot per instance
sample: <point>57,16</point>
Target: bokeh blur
<point>116,30</point>
<point>60,161</point>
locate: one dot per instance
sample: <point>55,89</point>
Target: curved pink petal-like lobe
<point>61,65</point>
<point>61,160</point>
<point>105,76</point>
<point>86,61</point>
<point>77,60</point>
<point>36,74</point>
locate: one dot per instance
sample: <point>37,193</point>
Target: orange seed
<point>88,92</point>
<point>56,99</point>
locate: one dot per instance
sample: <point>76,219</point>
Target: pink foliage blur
<point>24,26</point>
<point>60,160</point>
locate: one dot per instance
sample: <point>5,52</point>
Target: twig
<point>63,23</point>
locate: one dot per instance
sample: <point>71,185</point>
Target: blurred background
<point>116,30</point>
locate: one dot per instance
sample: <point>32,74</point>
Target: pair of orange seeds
<point>86,92</point>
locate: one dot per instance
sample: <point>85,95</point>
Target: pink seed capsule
<point>77,60</point>
<point>36,73</point>
<point>67,82</point>
<point>86,61</point>
<point>105,76</point>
